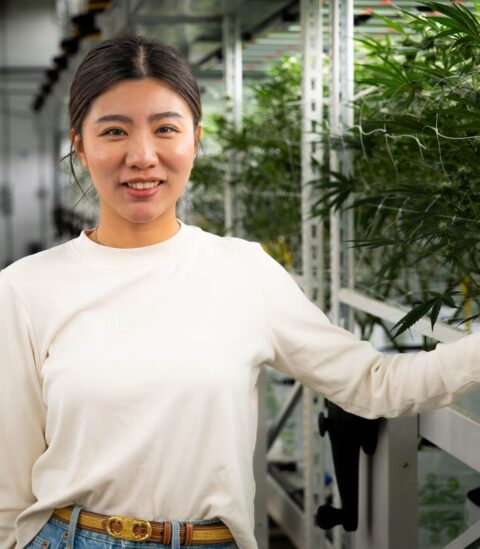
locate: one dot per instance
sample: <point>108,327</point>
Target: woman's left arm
<point>350,372</point>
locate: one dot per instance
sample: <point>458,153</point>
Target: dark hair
<point>129,57</point>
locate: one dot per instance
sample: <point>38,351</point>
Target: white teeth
<point>141,186</point>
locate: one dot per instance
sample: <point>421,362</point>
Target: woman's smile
<point>140,189</point>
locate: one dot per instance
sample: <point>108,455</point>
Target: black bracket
<point>348,433</point>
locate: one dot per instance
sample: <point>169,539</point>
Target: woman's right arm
<point>22,411</point>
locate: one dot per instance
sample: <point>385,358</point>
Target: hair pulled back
<point>129,57</point>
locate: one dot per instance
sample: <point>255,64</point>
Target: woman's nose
<point>141,153</point>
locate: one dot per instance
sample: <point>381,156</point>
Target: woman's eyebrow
<point>167,114</point>
<point>128,120</point>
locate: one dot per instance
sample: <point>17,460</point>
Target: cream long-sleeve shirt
<point>128,377</point>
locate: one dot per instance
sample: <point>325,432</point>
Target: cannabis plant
<point>415,145</point>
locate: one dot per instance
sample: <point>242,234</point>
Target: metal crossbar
<point>449,428</point>
<point>470,539</point>
<point>393,313</point>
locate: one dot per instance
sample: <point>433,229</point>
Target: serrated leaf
<point>465,320</point>
<point>412,317</point>
<point>437,305</point>
<point>448,299</point>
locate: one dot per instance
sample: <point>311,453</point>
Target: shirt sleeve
<point>22,411</point>
<point>350,372</point>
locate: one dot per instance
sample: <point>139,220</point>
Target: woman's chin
<point>146,218</point>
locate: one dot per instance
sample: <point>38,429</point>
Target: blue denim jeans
<point>55,534</point>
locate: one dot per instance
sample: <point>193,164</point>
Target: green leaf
<point>465,320</point>
<point>437,305</point>
<point>432,305</point>
<point>412,317</point>
<point>455,13</point>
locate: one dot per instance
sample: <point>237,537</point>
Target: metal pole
<point>260,466</point>
<point>55,152</point>
<point>334,123</point>
<point>347,121</point>
<point>335,221</point>
<point>5,187</point>
<point>232,56</point>
<point>128,19</point>
<point>233,71</point>
<point>42,193</point>
<point>387,509</point>
<point>312,252</point>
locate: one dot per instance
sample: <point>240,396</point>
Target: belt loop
<point>175,534</point>
<point>188,533</point>
<point>72,526</point>
<point>167,532</point>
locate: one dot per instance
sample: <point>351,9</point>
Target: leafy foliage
<point>267,178</point>
<point>416,144</point>
<point>415,147</point>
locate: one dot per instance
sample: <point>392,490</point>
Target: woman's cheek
<point>183,153</point>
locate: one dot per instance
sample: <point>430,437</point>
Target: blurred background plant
<point>267,179</point>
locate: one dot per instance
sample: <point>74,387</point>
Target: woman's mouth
<point>142,185</point>
<point>141,189</point>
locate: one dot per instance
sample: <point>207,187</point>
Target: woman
<point>129,356</point>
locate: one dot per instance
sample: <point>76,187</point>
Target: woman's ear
<point>77,145</point>
<point>198,135</point>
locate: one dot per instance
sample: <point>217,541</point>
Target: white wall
<point>33,35</point>
<point>32,39</point>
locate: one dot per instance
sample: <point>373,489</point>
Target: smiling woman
<point>135,115</point>
<point>139,155</point>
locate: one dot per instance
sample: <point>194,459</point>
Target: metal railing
<point>454,429</point>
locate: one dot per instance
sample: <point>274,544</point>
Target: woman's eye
<point>166,129</point>
<point>114,132</point>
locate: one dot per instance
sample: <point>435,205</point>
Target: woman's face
<point>138,131</point>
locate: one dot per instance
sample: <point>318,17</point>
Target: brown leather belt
<point>133,529</point>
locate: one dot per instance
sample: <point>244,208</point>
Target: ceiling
<point>269,28</point>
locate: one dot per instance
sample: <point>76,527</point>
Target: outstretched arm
<point>350,372</point>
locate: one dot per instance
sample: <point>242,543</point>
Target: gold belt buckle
<point>128,524</point>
